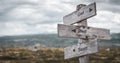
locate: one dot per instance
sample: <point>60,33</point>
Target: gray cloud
<point>36,16</point>
<point>114,2</point>
<point>8,6</point>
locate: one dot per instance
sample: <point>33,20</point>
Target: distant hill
<point>115,35</point>
<point>51,40</point>
<point>115,41</point>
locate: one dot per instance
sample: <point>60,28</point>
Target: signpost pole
<point>82,59</point>
<point>85,58</point>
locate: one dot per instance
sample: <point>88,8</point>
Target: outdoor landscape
<point>48,48</point>
<point>29,31</point>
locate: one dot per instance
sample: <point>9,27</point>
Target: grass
<point>54,55</point>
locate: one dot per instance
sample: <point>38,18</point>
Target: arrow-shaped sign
<point>72,31</point>
<point>82,14</point>
<point>81,49</point>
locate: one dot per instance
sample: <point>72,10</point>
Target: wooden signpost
<point>87,43</point>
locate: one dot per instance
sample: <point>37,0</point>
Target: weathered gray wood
<point>66,31</point>
<point>84,13</point>
<point>84,59</point>
<point>69,31</point>
<point>81,49</point>
<point>82,23</point>
<point>78,7</point>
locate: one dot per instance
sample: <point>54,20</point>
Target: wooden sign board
<point>81,49</point>
<point>70,31</point>
<point>82,14</point>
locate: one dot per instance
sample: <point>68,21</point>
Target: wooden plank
<point>82,23</point>
<point>81,49</point>
<point>101,33</point>
<point>84,13</point>
<point>66,31</point>
<point>73,31</point>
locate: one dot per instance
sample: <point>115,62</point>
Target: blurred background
<point>33,24</point>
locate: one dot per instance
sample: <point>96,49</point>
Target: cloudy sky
<point>42,16</point>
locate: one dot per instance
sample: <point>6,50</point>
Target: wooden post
<point>82,59</point>
<point>85,58</point>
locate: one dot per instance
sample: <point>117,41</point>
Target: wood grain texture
<point>81,49</point>
<point>74,31</point>
<point>84,59</point>
<point>82,14</point>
